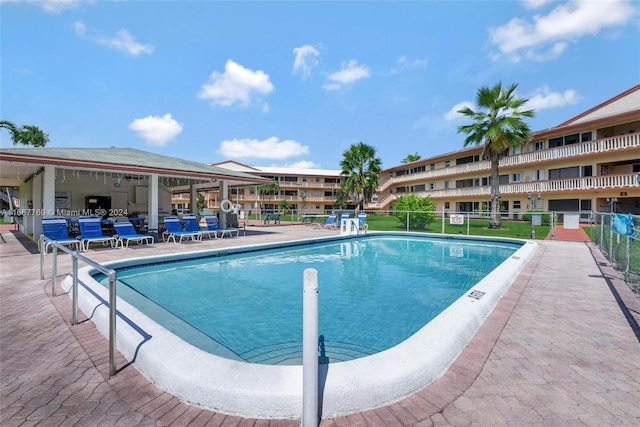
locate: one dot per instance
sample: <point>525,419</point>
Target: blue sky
<point>296,83</point>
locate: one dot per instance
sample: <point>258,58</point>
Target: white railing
<point>570,184</point>
<point>601,145</point>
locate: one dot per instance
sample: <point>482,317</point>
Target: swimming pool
<point>376,291</point>
<point>274,391</point>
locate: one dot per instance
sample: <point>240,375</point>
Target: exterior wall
<point>583,174</point>
<point>319,185</point>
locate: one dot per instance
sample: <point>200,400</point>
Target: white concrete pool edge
<point>268,391</point>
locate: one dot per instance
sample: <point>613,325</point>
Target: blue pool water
<point>374,292</point>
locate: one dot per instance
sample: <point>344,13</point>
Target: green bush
<point>546,217</point>
<point>421,211</point>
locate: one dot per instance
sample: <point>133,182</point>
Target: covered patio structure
<point>113,182</point>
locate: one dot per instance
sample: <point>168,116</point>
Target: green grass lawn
<point>477,227</point>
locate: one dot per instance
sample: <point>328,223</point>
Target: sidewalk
<point>557,350</point>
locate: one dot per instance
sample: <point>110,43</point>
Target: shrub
<point>421,211</point>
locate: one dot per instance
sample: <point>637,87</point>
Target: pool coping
<point>263,391</point>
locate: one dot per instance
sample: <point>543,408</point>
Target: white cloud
<point>306,59</point>
<point>123,41</point>
<point>453,113</point>
<point>235,85</point>
<point>535,4</point>
<point>52,7</point>
<point>544,98</point>
<point>349,73</point>
<point>567,22</point>
<point>157,130</point>
<point>270,148</point>
<point>405,64</point>
<point>303,164</point>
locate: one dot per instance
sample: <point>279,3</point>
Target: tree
<point>26,135</point>
<point>360,168</point>
<point>498,125</point>
<point>303,198</point>
<point>419,211</point>
<point>200,203</point>
<point>340,199</point>
<point>411,158</point>
<point>269,190</point>
<point>284,206</point>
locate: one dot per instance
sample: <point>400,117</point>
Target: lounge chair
<point>55,228</point>
<point>126,232</point>
<point>232,222</point>
<point>192,224</point>
<point>214,225</point>
<point>329,223</point>
<point>91,232</point>
<point>174,229</point>
<point>362,223</point>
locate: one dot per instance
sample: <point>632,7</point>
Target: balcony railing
<point>591,147</point>
<point>587,183</point>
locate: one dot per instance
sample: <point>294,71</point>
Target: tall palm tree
<point>26,135</point>
<point>498,125</point>
<point>411,158</point>
<point>360,168</point>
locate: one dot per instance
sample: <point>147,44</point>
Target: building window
<point>516,177</point>
<point>587,170</point>
<point>317,206</point>
<point>538,145</point>
<point>446,184</point>
<point>556,142</point>
<point>447,164</point>
<point>317,179</point>
<point>585,137</point>
<point>563,173</point>
<point>431,186</point>
<point>516,204</point>
<point>447,205</point>
<point>572,139</point>
<point>538,175</point>
<point>432,166</point>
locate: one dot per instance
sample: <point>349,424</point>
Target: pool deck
<point>561,348</point>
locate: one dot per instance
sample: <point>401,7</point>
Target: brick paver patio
<point>561,348</point>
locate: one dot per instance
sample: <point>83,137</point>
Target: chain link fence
<point>623,251</point>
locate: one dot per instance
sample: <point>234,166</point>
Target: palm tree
<point>26,135</point>
<point>498,125</point>
<point>360,168</point>
<point>269,190</point>
<point>411,158</point>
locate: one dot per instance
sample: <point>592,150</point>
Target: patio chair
<point>362,223</point>
<point>126,232</point>
<point>55,228</point>
<point>174,229</point>
<point>91,232</point>
<point>192,225</point>
<point>329,223</point>
<point>214,225</point>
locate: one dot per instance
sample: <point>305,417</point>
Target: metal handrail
<point>110,273</point>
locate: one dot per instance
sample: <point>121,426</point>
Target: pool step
<point>290,353</point>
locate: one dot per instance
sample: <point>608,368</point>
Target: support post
<point>55,270</point>
<point>74,300</point>
<point>112,324</point>
<point>310,349</point>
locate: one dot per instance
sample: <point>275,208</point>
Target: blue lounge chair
<point>126,232</point>
<point>362,223</point>
<point>192,225</point>
<point>91,232</point>
<point>55,228</point>
<point>214,225</point>
<point>174,229</point>
<point>329,223</point>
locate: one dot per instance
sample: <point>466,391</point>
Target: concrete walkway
<point>561,348</point>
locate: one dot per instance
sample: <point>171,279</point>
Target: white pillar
<point>224,195</point>
<point>310,349</point>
